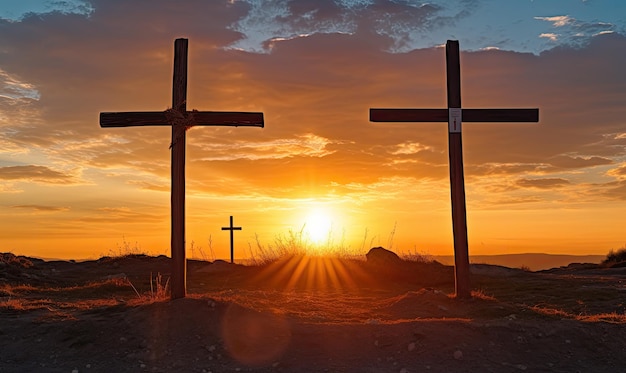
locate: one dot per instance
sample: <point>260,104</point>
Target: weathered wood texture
<point>201,118</point>
<point>441,115</point>
<point>179,103</point>
<point>179,127</point>
<point>457,182</point>
<point>457,178</point>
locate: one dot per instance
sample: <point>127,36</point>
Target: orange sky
<point>70,189</point>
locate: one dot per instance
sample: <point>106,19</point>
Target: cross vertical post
<point>457,179</point>
<point>179,137</point>
<point>231,228</point>
<point>455,115</point>
<point>180,120</point>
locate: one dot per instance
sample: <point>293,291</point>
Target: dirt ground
<point>306,314</point>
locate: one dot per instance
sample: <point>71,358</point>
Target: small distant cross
<point>180,120</point>
<point>231,228</point>
<point>454,115</point>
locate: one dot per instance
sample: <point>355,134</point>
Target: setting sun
<point>318,226</point>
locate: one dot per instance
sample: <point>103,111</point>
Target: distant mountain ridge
<point>533,261</point>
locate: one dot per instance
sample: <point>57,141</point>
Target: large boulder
<point>382,256</point>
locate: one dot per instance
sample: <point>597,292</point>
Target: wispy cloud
<point>306,145</point>
<point>575,31</point>
<point>557,21</point>
<point>34,173</point>
<point>550,36</point>
<point>12,88</point>
<point>544,183</point>
<point>41,208</point>
<point>618,172</point>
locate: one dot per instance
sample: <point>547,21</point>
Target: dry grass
<point>615,257</point>
<point>612,317</point>
<point>295,244</point>
<point>12,259</point>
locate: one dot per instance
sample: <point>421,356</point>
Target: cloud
<point>410,148</point>
<point>146,185</point>
<point>40,174</point>
<point>575,31</point>
<point>12,88</point>
<point>507,168</point>
<point>615,190</point>
<point>269,22</point>
<point>121,215</point>
<point>550,36</point>
<point>545,183</point>
<point>557,21</point>
<point>564,161</point>
<point>306,145</point>
<point>41,208</point>
<point>618,172</point>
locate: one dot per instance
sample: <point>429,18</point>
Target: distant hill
<point>534,261</point>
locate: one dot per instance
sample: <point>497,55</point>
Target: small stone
<point>411,346</point>
<point>74,370</point>
<point>521,367</point>
<point>404,370</point>
<point>458,355</point>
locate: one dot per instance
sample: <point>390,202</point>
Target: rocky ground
<point>304,314</point>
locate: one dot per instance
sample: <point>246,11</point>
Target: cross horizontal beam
<point>201,118</point>
<point>441,115</point>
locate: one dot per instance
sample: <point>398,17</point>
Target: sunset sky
<point>70,189</point>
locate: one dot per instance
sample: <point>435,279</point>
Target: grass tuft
<point>13,260</point>
<point>614,258</point>
<point>295,244</point>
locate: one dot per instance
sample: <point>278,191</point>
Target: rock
<point>458,355</point>
<point>380,255</point>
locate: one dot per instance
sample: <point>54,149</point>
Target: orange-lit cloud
<point>32,173</point>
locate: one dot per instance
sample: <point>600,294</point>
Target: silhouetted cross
<point>454,115</point>
<point>232,238</point>
<point>180,120</point>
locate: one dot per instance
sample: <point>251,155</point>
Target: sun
<point>318,226</point>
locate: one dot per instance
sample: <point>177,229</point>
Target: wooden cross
<point>454,115</point>
<point>180,120</point>
<point>232,238</point>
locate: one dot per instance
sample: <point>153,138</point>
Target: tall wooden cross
<point>231,228</point>
<point>180,120</point>
<point>454,115</point>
